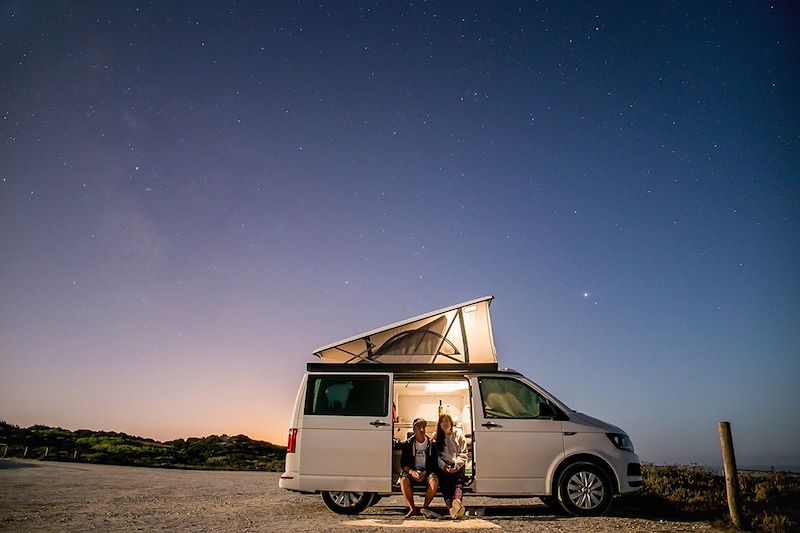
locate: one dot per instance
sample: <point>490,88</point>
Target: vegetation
<point>214,452</point>
<point>770,501</point>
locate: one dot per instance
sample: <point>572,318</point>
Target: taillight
<point>292,440</point>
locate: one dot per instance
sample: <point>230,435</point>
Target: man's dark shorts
<point>424,482</point>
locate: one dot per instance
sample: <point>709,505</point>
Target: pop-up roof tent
<point>461,334</point>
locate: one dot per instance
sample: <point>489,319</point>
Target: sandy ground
<point>46,496</point>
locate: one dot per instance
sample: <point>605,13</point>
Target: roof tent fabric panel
<point>478,332</point>
<point>416,342</point>
<point>343,353</point>
<point>441,337</point>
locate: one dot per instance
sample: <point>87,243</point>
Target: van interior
<point>424,399</point>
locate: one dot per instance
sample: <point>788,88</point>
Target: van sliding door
<point>345,443</point>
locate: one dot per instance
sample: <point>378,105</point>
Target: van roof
<point>427,371</point>
<point>460,334</point>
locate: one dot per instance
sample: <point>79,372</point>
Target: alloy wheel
<point>585,490</point>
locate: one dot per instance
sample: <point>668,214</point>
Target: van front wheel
<point>584,490</point>
<point>346,502</point>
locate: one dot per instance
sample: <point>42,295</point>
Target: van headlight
<point>621,441</point>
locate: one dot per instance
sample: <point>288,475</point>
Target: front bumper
<point>630,478</point>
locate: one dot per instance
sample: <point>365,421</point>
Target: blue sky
<point>195,196</point>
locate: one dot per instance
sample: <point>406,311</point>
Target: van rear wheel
<point>584,489</point>
<point>346,502</point>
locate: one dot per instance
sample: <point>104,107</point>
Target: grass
<point>770,501</point>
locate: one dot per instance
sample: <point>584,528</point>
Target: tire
<point>584,489</point>
<point>346,502</point>
<point>375,499</point>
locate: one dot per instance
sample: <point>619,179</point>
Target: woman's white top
<point>454,451</point>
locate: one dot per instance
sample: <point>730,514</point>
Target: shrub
<point>770,502</point>
<point>238,452</point>
<point>688,489</point>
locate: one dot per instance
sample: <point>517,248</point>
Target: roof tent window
<point>428,339</point>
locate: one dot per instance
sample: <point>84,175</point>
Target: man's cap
<point>420,421</point>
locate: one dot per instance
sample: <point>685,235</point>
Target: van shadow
<point>519,511</point>
<point>655,508</point>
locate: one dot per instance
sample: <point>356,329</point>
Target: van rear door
<point>345,436</point>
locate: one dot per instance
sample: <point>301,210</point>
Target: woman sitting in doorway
<point>451,447</point>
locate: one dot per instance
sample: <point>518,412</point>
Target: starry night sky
<point>194,196</point>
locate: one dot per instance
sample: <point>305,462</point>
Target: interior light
<point>470,309</point>
<point>446,386</point>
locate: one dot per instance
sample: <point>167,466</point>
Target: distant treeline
<point>108,447</point>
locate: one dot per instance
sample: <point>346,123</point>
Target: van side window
<point>347,395</point>
<point>508,398</point>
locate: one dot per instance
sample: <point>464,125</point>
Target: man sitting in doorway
<point>418,461</point>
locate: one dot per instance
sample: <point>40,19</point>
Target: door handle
<point>491,425</point>
<point>378,423</point>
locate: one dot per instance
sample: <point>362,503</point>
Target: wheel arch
<point>584,458</point>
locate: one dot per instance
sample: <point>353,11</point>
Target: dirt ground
<point>47,496</point>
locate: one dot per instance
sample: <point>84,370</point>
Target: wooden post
<point>46,451</point>
<point>75,454</point>
<point>5,449</point>
<point>731,475</point>
<point>25,453</point>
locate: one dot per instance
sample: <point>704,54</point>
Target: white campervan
<point>356,406</point>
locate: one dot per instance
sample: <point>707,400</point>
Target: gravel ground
<point>47,496</point>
